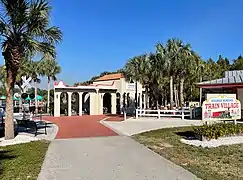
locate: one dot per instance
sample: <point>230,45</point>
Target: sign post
<point>26,83</point>
<point>221,107</point>
<point>25,86</point>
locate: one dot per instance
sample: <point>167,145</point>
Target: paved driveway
<point>107,158</point>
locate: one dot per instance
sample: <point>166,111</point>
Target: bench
<point>32,126</point>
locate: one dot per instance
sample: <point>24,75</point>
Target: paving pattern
<point>80,126</point>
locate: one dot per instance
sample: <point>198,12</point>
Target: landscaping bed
<point>22,161</point>
<point>224,162</point>
<point>214,135</point>
<point>214,131</point>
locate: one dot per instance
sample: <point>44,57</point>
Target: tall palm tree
<point>170,57</point>
<point>138,69</point>
<point>185,64</point>
<point>24,31</point>
<point>34,71</point>
<point>49,68</point>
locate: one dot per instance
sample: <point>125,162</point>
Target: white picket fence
<point>165,113</point>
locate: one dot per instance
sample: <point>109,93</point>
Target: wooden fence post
<point>182,114</point>
<point>190,113</point>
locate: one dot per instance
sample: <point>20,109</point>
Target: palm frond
<point>38,18</point>
<point>53,35</point>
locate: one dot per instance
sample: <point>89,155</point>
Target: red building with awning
<point>231,83</point>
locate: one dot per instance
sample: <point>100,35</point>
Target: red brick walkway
<point>80,126</point>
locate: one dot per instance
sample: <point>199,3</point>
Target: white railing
<point>165,113</point>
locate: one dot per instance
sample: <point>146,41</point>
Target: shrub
<point>217,130</point>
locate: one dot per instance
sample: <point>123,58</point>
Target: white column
<point>101,102</point>
<point>147,100</point>
<point>98,101</point>
<point>69,103</point>
<point>144,102</point>
<point>93,103</point>
<point>57,97</point>
<point>113,103</point>
<point>141,101</point>
<point>121,103</point>
<point>80,103</point>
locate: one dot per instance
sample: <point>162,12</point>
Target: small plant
<point>217,130</point>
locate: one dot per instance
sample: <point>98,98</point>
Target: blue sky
<point>101,35</point>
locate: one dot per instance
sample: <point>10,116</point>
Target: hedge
<point>217,130</point>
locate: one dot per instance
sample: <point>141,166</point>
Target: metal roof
<point>231,77</point>
<point>233,73</point>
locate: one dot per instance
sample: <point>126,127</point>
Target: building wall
<point>240,96</point>
<point>123,86</point>
<point>96,100</point>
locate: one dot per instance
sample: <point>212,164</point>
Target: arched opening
<point>86,103</point>
<point>128,100</point>
<point>64,104</point>
<point>124,100</point>
<point>118,103</point>
<point>75,103</point>
<point>107,103</point>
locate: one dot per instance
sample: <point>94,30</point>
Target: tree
<point>34,72</point>
<point>185,65</point>
<point>49,68</point>
<point>25,32</point>
<point>172,50</point>
<point>237,64</point>
<point>138,69</point>
<point>223,64</point>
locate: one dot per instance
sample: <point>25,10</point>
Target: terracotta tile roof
<point>110,77</point>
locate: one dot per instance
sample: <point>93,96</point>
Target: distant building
<point>231,83</point>
<point>108,94</point>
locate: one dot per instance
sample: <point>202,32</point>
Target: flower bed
<point>214,131</point>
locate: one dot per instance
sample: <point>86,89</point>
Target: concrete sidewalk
<point>107,158</point>
<point>135,126</point>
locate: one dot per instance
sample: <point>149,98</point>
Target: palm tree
<point>49,68</point>
<point>24,32</point>
<point>185,64</point>
<point>35,71</point>
<point>138,69</point>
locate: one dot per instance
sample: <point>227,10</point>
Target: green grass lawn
<point>23,161</point>
<point>221,163</point>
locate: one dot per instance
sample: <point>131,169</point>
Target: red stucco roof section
<point>110,77</point>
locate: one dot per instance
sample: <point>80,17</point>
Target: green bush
<point>217,130</point>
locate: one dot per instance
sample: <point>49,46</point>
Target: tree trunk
<point>200,92</point>
<point>175,98</point>
<point>9,125</point>
<point>48,95</point>
<point>146,98</point>
<point>191,94</point>
<point>166,102</point>
<point>36,100</point>
<point>182,91</point>
<point>171,92</point>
